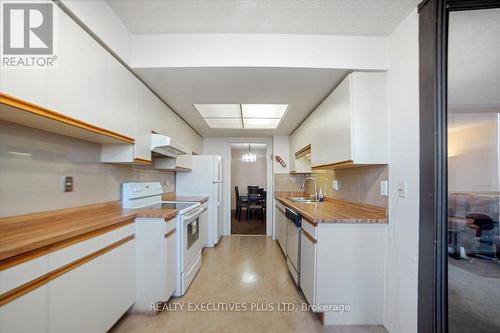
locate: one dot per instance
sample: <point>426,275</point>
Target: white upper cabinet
<point>89,84</point>
<point>143,125</point>
<point>140,152</point>
<point>94,92</point>
<point>26,84</point>
<point>350,126</point>
<point>165,121</point>
<point>180,163</point>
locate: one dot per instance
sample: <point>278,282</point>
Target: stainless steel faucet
<point>315,186</point>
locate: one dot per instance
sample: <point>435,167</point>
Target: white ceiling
<point>474,61</point>
<point>460,121</point>
<point>335,17</point>
<point>301,88</point>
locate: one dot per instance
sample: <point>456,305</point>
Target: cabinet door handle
<point>170,233</point>
<point>309,237</point>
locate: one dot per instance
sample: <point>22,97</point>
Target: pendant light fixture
<point>249,157</point>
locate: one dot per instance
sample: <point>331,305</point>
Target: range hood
<point>164,146</point>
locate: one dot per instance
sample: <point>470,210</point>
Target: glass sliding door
<point>473,140</point>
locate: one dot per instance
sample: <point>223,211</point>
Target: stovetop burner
<point>182,207</point>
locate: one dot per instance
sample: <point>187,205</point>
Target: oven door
<point>192,239</point>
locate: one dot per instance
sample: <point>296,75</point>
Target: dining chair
<point>253,189</point>
<point>264,203</point>
<point>254,203</point>
<point>241,202</point>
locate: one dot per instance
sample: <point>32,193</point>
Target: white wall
<point>403,107</point>
<point>281,148</point>
<point>222,146</point>
<point>473,153</point>
<point>99,17</point>
<point>33,164</point>
<point>259,50</point>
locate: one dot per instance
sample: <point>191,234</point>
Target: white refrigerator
<point>205,179</point>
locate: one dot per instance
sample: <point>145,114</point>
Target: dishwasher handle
<point>294,217</point>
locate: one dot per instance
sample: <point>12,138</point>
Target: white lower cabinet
<point>308,249</point>
<point>93,296</point>
<point>87,295</point>
<point>280,224</point>
<point>156,262</point>
<point>77,298</point>
<point>171,273</point>
<point>204,227</point>
<point>119,286</point>
<point>26,314</point>
<point>343,265</point>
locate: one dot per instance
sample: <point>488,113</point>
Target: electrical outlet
<point>403,189</point>
<point>384,188</point>
<point>335,185</point>
<point>68,184</point>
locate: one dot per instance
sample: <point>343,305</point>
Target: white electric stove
<point>189,241</point>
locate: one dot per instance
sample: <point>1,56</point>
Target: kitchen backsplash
<point>356,184</point>
<point>33,164</point>
<point>284,182</point>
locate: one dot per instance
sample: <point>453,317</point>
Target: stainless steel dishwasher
<point>293,225</point>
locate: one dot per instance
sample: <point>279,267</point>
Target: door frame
<point>433,253</point>
<point>269,181</point>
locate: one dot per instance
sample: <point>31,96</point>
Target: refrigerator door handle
<point>219,197</point>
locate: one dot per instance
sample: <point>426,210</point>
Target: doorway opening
<point>249,187</point>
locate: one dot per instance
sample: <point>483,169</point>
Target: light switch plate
<point>68,184</point>
<point>403,189</point>
<point>384,188</point>
<point>335,185</point>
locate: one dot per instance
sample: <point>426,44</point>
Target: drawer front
<point>310,229</point>
<point>18,275</point>
<point>74,252</point>
<point>280,206</point>
<point>171,225</point>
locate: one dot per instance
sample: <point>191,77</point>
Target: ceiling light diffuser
<point>263,110</point>
<point>224,122</point>
<point>244,116</point>
<point>219,110</point>
<point>260,123</point>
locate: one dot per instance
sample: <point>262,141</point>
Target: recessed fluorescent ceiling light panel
<point>263,110</point>
<point>224,122</point>
<point>251,116</point>
<point>219,110</point>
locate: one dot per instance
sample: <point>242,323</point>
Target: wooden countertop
<point>25,233</point>
<point>173,197</point>
<point>337,211</point>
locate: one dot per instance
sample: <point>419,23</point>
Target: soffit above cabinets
<point>226,88</point>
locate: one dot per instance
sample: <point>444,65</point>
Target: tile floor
<point>241,270</point>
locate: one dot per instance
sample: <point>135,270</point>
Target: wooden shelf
<point>333,166</point>
<point>181,169</point>
<point>303,152</point>
<point>28,114</point>
<point>340,165</point>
